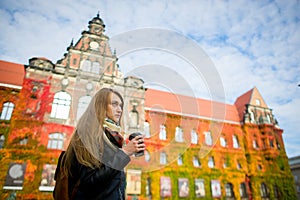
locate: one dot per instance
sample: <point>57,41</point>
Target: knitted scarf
<point>112,131</point>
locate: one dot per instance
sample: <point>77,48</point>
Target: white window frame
<point>61,105</point>
<point>56,141</point>
<point>163,158</point>
<point>196,162</point>
<point>178,134</point>
<point>211,162</point>
<point>180,159</point>
<point>86,65</point>
<point>194,137</point>
<point>162,132</point>
<point>235,142</point>
<point>223,141</point>
<point>96,68</point>
<point>208,138</point>
<point>7,110</point>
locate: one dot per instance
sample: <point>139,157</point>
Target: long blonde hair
<point>87,141</point>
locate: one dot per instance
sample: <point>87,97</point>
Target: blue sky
<point>251,43</point>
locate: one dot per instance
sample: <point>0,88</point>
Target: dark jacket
<point>106,182</point>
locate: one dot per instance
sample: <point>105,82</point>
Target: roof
<point>11,74</point>
<point>249,97</point>
<point>160,101</point>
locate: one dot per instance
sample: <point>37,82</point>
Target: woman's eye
<point>115,104</point>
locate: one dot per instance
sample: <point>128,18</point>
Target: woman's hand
<point>135,145</point>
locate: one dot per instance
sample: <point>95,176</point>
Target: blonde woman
<point>95,158</point>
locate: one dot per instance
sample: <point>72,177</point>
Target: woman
<point>95,158</point>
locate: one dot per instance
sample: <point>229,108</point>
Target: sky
<point>245,44</point>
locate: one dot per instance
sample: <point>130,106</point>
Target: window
<point>263,190</point>
<point>2,140</point>
<point>163,158</point>
<point>243,190</point>
<point>196,162</point>
<point>85,65</point>
<point>24,141</point>
<point>162,132</point>
<point>61,105</point>
<point>271,141</point>
<point>238,165</point>
<point>208,138</point>
<point>7,110</point>
<point>178,134</point>
<point>74,61</point>
<point>83,103</point>
<point>147,130</point>
<point>252,118</point>
<point>254,144</point>
<point>278,145</point>
<point>147,156</point>
<point>259,167</point>
<point>235,142</point>
<point>257,102</point>
<point>264,143</point>
<point>276,191</point>
<point>225,163</point>
<point>134,118</point>
<point>194,137</point>
<point>211,162</point>
<point>180,160</point>
<point>229,190</point>
<point>199,188</point>
<point>96,68</point>
<point>223,142</point>
<point>56,141</point>
<point>268,118</point>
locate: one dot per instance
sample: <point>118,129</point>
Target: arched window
<point>61,105</point>
<point>194,137</point>
<point>229,190</point>
<point>254,143</point>
<point>238,165</point>
<point>162,132</point>
<point>180,159</point>
<point>225,162</point>
<point>178,134</point>
<point>243,190</point>
<point>252,118</point>
<point>2,140</point>
<point>208,138</point>
<point>147,130</point>
<point>223,141</point>
<point>85,65</point>
<point>276,191</point>
<point>23,141</point>
<point>56,141</point>
<point>96,68</point>
<point>235,142</point>
<point>134,118</point>
<point>163,158</point>
<point>83,103</point>
<point>196,161</point>
<point>211,162</point>
<point>263,190</point>
<point>7,110</point>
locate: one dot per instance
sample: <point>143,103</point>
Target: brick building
<point>190,153</point>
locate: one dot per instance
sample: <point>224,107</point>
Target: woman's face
<point>114,108</point>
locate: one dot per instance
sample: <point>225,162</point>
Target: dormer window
<point>257,102</point>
